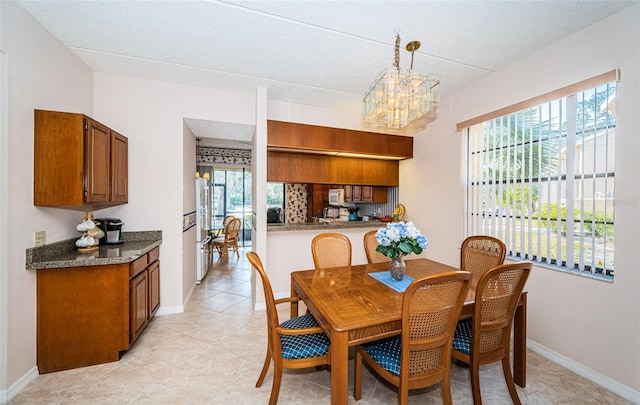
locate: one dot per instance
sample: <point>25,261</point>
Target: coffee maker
<point>112,228</point>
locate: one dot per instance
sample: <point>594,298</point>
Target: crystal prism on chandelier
<point>397,97</point>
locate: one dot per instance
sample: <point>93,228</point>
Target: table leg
<point>293,309</point>
<point>520,343</point>
<point>339,359</point>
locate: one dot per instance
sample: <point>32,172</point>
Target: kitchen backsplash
<point>296,204</point>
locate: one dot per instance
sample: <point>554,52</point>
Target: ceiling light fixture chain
<point>401,98</point>
<point>396,50</point>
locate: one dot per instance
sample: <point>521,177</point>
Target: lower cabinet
<point>154,288</point>
<point>139,305</point>
<point>144,292</point>
<point>90,315</point>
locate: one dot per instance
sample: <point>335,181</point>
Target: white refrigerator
<point>203,225</point>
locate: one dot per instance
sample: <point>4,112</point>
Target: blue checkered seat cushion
<point>462,336</point>
<point>303,346</point>
<point>386,352</point>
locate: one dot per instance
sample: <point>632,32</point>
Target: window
<point>542,180</point>
<point>275,203</point>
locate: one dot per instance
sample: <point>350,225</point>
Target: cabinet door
<point>59,148</point>
<point>367,193</point>
<point>139,297</point>
<point>357,193</point>
<point>348,193</point>
<point>97,162</point>
<point>119,168</point>
<point>154,288</point>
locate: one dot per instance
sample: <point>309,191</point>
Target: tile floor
<point>213,352</point>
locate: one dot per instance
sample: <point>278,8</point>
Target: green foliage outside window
<point>547,215</point>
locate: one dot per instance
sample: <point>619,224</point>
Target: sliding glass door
<point>231,196</point>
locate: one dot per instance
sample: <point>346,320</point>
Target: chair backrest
<point>270,303</point>
<point>232,229</point>
<point>226,220</point>
<point>430,310</point>
<point>480,253</point>
<point>497,296</point>
<point>331,250</point>
<point>370,245</point>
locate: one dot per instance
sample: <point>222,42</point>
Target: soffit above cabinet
<point>302,138</point>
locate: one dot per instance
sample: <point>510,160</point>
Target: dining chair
<point>229,240</point>
<point>421,355</point>
<point>370,245</point>
<point>296,343</point>
<point>479,253</point>
<point>485,338</point>
<point>331,250</point>
<point>218,233</point>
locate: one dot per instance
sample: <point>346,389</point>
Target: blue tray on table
<point>385,278</point>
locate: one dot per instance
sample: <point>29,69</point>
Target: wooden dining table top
<point>347,298</point>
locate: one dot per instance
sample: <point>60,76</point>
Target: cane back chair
<point>296,343</point>
<point>486,337</point>
<point>421,355</point>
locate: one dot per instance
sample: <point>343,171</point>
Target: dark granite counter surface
<point>324,225</point>
<point>65,254</point>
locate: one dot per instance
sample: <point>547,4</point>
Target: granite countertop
<point>65,254</point>
<point>324,225</point>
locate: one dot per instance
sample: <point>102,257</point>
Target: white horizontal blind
<point>542,180</point>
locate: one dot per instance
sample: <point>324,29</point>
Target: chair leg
<point>265,367</point>
<point>508,377</point>
<point>446,390</point>
<point>277,379</point>
<point>235,249</point>
<point>403,394</point>
<point>357,377</point>
<point>474,370</point>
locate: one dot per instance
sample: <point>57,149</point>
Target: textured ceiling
<point>321,53</point>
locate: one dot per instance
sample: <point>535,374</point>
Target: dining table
<point>353,307</point>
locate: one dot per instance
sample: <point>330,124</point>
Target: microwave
<point>336,196</point>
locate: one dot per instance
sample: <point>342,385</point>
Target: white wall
<point>291,250</point>
<point>151,114</point>
<point>42,74</point>
<point>304,114</point>
<point>189,205</point>
<point>591,323</point>
<point>259,189</point>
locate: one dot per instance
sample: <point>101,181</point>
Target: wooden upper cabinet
<point>97,162</point>
<point>309,168</point>
<point>78,162</point>
<point>289,136</point>
<point>119,168</point>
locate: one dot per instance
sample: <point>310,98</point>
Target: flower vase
<point>397,267</point>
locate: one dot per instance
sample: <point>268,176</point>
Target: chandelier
<point>397,98</point>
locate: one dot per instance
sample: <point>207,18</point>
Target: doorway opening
<point>231,195</point>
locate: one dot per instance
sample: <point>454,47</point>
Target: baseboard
<point>607,382</point>
<point>188,297</point>
<point>6,396</point>
<point>170,310</point>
